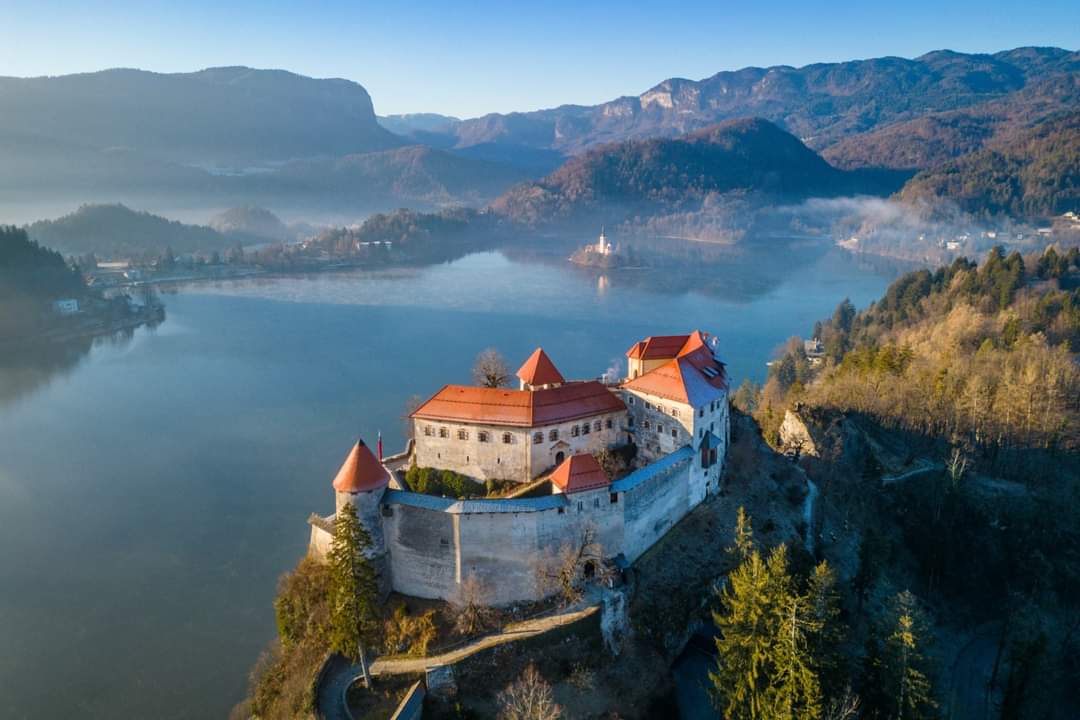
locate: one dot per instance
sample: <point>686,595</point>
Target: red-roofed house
<point>505,434</point>
<point>676,393</point>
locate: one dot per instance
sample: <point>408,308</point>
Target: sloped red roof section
<point>657,347</point>
<point>539,370</point>
<point>578,473</point>
<point>693,375</point>
<point>520,408</point>
<point>361,471</point>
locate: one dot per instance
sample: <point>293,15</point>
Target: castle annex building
<point>670,414</point>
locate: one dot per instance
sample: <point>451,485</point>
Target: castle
<point>671,411</point>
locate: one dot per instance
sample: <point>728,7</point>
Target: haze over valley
<point>794,429</point>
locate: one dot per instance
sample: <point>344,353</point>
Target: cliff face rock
<point>795,435</point>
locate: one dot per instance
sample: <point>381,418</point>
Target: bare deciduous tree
<point>563,572</point>
<point>471,614</point>
<point>490,369</point>
<point>529,698</point>
<point>843,707</point>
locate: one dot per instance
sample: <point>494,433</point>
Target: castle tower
<point>361,481</point>
<point>539,372</point>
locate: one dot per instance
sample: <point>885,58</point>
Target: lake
<point>154,487</point>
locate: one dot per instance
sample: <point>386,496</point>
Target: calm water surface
<point>153,489</point>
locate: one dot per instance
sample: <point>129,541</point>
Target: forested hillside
<point>942,427</point>
<point>1036,173</point>
<point>31,277</point>
<point>117,231</point>
<point>652,176</point>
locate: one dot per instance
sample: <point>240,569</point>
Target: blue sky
<point>467,59</point>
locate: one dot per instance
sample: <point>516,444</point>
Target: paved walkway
<point>518,631</point>
<point>340,674</point>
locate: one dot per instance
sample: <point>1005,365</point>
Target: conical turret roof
<point>539,370</point>
<point>361,471</point>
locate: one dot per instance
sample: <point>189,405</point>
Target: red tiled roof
<point>664,347</point>
<point>657,347</point>
<point>520,408</point>
<point>693,375</point>
<point>539,370</point>
<point>578,473</point>
<point>361,471</point>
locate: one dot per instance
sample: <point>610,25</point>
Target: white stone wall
<point>661,426</point>
<point>463,448</point>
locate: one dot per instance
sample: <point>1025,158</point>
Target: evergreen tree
<point>825,633</point>
<point>898,681</point>
<point>796,689</point>
<point>744,536</point>
<point>354,617</point>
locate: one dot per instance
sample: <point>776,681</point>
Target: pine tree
<point>744,536</point>
<point>823,605</point>
<point>900,667</point>
<point>354,617</point>
<point>796,690</point>
<point>746,623</point>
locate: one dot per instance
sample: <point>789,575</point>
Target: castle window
<point>507,438</point>
<point>701,411</point>
<point>630,400</point>
<point>629,421</point>
<point>562,510</point>
<point>596,502</point>
<point>659,428</point>
<point>674,412</point>
<point>675,432</point>
<point>427,430</point>
<point>553,435</point>
<point>648,406</point>
<point>575,431</point>
<point>645,424</point>
<point>483,436</point>
<point>614,498</point>
<point>596,426</point>
<point>607,423</point>
<point>585,429</point>
<point>462,434</point>
<point>580,506</point>
<point>538,438</point>
<point>443,432</point>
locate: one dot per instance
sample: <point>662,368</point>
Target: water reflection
<point>27,369</point>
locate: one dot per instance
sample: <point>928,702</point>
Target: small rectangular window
<point>701,411</point>
<point>507,438</point>
<point>614,498</point>
<point>596,426</point>
<point>575,431</point>
<point>562,510</point>
<point>462,434</point>
<point>660,429</point>
<point>482,436</point>
<point>596,502</point>
<point>538,438</point>
<point>580,506</point>
<point>553,435</point>
<point>427,430</point>
<point>607,423</point>
<point>585,429</point>
<point>675,432</point>
<point>443,432</point>
<point>630,400</point>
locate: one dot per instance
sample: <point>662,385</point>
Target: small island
<point>601,254</point>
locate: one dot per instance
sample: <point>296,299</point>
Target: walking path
<point>340,674</point>
<point>511,633</point>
